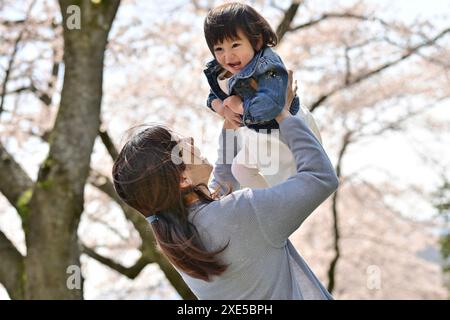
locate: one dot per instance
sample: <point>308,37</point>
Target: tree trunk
<point>58,196</point>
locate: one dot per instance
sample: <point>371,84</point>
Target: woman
<point>228,245</point>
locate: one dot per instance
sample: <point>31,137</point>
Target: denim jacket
<point>261,84</point>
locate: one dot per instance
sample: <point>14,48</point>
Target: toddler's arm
<point>269,98</point>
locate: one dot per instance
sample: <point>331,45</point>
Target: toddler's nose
<point>229,58</point>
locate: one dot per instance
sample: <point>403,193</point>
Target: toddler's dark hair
<point>223,22</point>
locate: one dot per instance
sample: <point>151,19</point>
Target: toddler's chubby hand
<point>235,104</point>
<point>232,117</point>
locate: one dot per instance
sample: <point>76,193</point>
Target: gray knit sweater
<point>263,264</point>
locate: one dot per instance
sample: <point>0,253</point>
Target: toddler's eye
<point>217,49</point>
<point>235,45</point>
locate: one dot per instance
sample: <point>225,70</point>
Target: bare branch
<point>275,5</point>
<point>42,96</point>
<point>438,62</point>
<point>104,223</point>
<point>345,15</point>
<point>395,124</point>
<point>348,67</point>
<point>109,144</point>
<point>9,23</point>
<point>377,70</point>
<point>199,8</point>
<point>289,15</point>
<point>336,234</point>
<point>8,69</point>
<point>130,272</point>
<point>12,58</point>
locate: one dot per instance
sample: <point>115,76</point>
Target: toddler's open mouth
<point>235,66</point>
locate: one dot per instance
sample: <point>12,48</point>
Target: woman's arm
<point>281,209</point>
<point>217,106</point>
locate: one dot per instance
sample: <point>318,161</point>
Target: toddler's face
<point>234,54</point>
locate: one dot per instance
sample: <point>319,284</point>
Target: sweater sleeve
<point>222,177</point>
<point>281,209</point>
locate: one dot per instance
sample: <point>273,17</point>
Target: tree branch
<point>8,69</point>
<point>109,144</point>
<point>42,96</point>
<point>9,23</point>
<point>377,70</point>
<point>289,15</point>
<point>130,272</point>
<point>11,268</point>
<point>344,15</point>
<point>336,234</point>
<point>15,184</point>
<point>395,124</point>
<point>350,137</point>
<point>13,57</point>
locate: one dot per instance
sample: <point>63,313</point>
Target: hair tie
<point>153,218</point>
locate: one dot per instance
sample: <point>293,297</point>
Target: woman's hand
<point>290,93</point>
<point>229,125</point>
<point>234,103</point>
<point>218,107</point>
<point>233,119</point>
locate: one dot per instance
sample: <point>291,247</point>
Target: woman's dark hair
<point>148,179</point>
<point>223,22</point>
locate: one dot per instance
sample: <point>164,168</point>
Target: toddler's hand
<point>234,103</point>
<point>232,117</point>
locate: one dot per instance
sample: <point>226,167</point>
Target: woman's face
<point>198,169</point>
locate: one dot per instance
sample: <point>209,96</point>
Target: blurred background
<point>75,75</point>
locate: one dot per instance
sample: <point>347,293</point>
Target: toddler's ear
<point>259,43</point>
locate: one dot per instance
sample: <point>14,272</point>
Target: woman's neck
<point>191,198</point>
